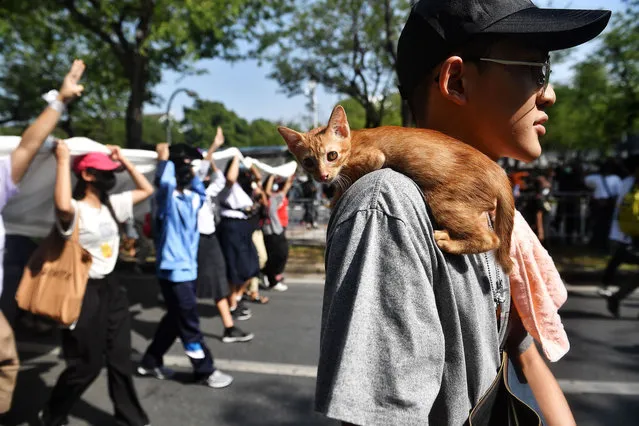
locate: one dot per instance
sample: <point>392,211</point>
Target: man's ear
<point>452,80</point>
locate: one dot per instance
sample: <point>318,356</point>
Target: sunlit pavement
<point>274,374</point>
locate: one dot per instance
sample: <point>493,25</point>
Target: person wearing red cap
<point>102,334</point>
<point>411,335</point>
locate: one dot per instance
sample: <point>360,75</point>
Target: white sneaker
<point>280,287</point>
<point>219,380</point>
<point>604,292</point>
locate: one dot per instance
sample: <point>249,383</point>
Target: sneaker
<point>161,373</point>
<point>241,306</point>
<point>45,422</point>
<point>613,306</point>
<point>604,292</point>
<point>234,334</point>
<point>218,380</point>
<point>238,315</point>
<point>279,287</point>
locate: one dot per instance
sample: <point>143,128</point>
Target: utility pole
<point>311,92</point>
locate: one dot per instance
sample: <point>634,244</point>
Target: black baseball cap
<point>435,28</point>
<point>180,152</point>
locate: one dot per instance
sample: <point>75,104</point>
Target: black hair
<point>479,46</point>
<point>80,191</point>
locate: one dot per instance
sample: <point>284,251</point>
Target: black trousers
<point>101,336</point>
<point>181,320</point>
<point>277,250</point>
<point>624,253</point>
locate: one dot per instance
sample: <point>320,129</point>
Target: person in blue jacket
<point>178,198</point>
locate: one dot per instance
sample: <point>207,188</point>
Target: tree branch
<point>390,44</point>
<point>88,23</point>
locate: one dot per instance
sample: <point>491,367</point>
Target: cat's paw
<point>452,246</point>
<point>441,236</point>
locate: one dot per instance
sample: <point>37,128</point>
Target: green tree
<point>348,46</point>
<point>135,40</point>
<point>34,58</point>
<point>601,104</point>
<point>201,122</point>
<point>357,114</point>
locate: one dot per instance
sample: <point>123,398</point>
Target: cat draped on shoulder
<point>460,184</point>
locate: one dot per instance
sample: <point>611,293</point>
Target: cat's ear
<point>338,123</point>
<point>292,138</point>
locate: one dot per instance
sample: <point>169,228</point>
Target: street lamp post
<point>168,110</point>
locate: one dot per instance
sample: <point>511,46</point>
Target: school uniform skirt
<point>239,251</point>
<point>211,269</point>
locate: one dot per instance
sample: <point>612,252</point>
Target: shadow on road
<point>31,395</point>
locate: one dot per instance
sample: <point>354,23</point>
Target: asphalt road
<point>274,374</point>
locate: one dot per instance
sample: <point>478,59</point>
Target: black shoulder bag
<point>499,406</point>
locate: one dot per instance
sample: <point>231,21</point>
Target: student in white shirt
<point>605,186</point>
<point>211,281</point>
<point>102,334</point>
<point>235,232</point>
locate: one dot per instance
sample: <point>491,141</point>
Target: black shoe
<point>241,306</point>
<point>234,334</point>
<point>160,373</point>
<point>45,421</point>
<point>613,306</point>
<point>238,315</point>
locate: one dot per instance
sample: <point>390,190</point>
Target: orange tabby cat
<point>460,184</point>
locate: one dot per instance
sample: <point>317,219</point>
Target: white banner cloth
<point>30,212</point>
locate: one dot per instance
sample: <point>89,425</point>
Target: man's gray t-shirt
<point>409,334</point>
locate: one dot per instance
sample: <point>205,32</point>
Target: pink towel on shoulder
<point>537,290</point>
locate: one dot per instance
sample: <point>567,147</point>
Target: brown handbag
<point>55,278</point>
<point>9,364</point>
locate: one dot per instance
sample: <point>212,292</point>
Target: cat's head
<point>322,152</point>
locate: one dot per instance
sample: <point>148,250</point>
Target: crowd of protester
<point>206,224</point>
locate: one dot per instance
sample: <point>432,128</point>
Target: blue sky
<point>245,88</point>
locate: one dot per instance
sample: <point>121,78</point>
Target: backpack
<point>629,213</point>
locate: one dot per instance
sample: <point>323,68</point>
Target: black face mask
<point>183,174</point>
<point>104,180</point>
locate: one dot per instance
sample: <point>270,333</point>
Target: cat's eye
<point>308,163</point>
<point>331,156</point>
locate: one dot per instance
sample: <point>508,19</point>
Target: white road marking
<point>310,372</point>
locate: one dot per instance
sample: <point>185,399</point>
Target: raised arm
<point>36,133</point>
<point>62,196</point>
<point>288,184</point>
<point>217,143</point>
<point>268,189</point>
<point>164,178</point>
<point>144,189</point>
<point>233,171</point>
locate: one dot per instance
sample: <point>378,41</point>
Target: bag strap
<point>107,203</point>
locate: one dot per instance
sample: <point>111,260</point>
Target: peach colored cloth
<point>537,290</point>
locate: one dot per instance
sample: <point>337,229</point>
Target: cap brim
<point>552,29</point>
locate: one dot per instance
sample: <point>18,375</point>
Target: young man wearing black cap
<point>409,334</point>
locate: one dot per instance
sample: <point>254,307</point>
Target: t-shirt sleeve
<point>382,346</point>
<point>122,206</point>
<point>218,182</point>
<point>7,188</point>
<point>68,231</point>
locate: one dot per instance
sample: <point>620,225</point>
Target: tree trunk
<point>134,110</point>
<point>373,117</point>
